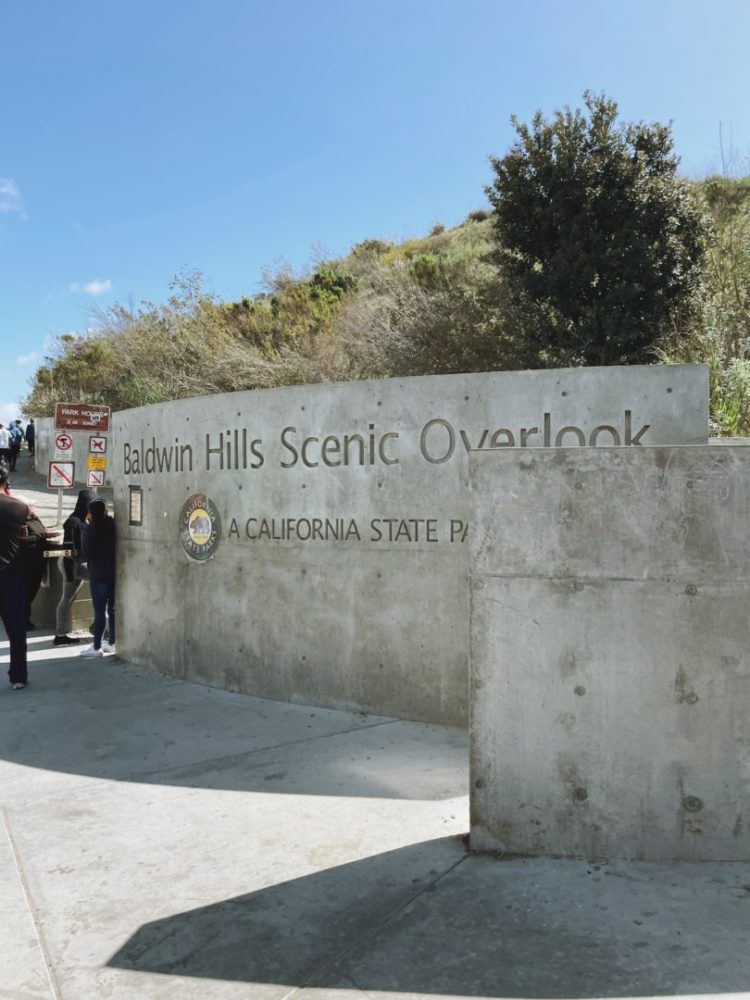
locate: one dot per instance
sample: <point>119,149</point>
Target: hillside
<point>430,305</point>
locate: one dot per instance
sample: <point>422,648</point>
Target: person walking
<point>30,436</point>
<point>99,553</point>
<point>13,607</point>
<point>4,446</point>
<point>30,558</point>
<point>73,569</point>
<point>15,432</point>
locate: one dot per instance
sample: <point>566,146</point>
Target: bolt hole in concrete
<point>692,803</point>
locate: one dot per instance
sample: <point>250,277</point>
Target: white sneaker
<point>90,651</point>
<point>109,647</point>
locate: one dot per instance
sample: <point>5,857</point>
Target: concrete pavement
<point>161,839</point>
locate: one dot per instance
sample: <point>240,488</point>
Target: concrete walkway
<point>160,839</point>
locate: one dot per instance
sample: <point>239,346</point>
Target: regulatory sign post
<point>61,476</point>
<point>72,420</point>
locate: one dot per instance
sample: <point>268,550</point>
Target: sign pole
<point>59,506</point>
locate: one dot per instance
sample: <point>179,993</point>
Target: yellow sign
<point>98,462</point>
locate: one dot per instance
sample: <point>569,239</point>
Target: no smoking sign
<point>61,475</point>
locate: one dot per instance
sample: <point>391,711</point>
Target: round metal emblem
<point>200,527</point>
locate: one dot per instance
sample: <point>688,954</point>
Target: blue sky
<point>141,138</point>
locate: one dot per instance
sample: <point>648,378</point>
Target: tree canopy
<point>597,232</point>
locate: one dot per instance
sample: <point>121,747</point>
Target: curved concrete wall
<point>337,575</point>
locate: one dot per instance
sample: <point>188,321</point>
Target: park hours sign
<point>82,417</point>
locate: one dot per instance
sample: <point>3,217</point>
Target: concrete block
<point>609,653</point>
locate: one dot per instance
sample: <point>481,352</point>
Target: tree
<point>595,231</point>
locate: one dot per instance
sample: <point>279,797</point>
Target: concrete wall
<point>369,611</point>
<point>45,442</point>
<point>610,653</point>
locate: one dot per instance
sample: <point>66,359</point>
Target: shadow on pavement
<point>107,719</point>
<point>486,928</point>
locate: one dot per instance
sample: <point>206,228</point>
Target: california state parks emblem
<point>200,527</point>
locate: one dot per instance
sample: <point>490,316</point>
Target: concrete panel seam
<point>292,991</point>
<point>219,763</point>
<point>55,989</point>
<point>737,581</point>
<point>376,927</point>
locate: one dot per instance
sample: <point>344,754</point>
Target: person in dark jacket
<point>31,552</point>
<point>32,560</point>
<point>99,553</point>
<point>30,437</point>
<point>13,608</point>
<point>72,568</point>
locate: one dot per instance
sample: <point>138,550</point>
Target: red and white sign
<point>63,445</point>
<point>96,477</point>
<point>61,475</point>
<point>97,445</point>
<point>81,417</point>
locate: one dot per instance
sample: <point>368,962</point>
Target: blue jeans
<point>103,599</point>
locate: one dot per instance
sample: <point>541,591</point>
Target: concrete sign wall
<point>610,653</point>
<point>310,543</point>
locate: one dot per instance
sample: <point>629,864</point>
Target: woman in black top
<point>99,553</point>
<point>72,567</point>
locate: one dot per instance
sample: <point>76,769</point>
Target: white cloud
<point>8,412</point>
<point>95,287</point>
<point>11,202</point>
<point>28,359</point>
